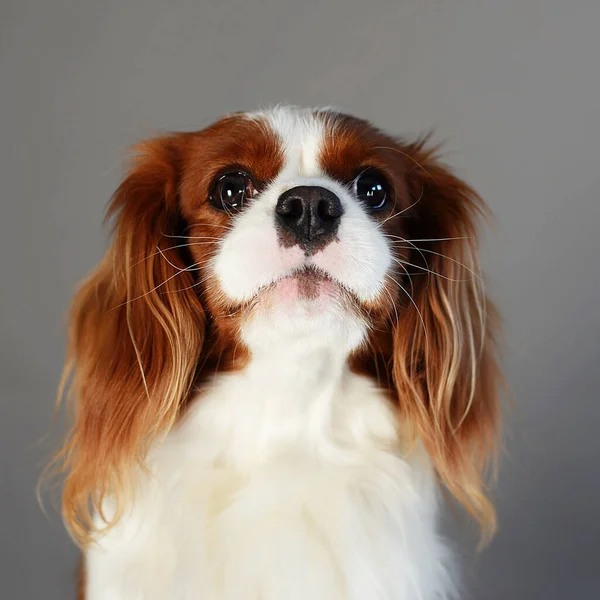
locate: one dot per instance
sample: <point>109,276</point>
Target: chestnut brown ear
<point>136,333</point>
<point>444,366</point>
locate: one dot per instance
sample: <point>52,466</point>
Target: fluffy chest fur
<point>295,489</point>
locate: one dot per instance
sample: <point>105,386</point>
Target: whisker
<point>170,248</point>
<point>416,162</point>
<point>398,262</point>
<point>380,225</point>
<point>351,185</point>
<point>429,271</point>
<point>393,304</point>
<point>413,303</point>
<point>164,256</point>
<point>189,287</point>
<point>150,291</point>
<point>407,208</point>
<point>192,237</point>
<point>408,242</point>
<point>444,239</point>
<point>228,227</point>
<point>193,267</point>
<point>476,275</point>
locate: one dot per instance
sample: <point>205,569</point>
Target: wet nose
<point>310,215</point>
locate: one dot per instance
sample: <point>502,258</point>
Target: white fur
<point>288,480</point>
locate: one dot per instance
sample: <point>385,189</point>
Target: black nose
<point>308,216</point>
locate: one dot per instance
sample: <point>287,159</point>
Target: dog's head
<point>283,225</point>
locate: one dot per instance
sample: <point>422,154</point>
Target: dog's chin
<point>306,305</point>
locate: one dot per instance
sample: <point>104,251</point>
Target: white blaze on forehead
<point>301,133</point>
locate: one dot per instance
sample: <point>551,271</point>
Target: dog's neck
<point>298,372</point>
<point>297,397</point>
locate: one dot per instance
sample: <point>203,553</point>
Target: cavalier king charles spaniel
<point>283,357</point>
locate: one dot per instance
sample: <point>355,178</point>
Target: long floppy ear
<point>444,365</point>
<point>136,332</point>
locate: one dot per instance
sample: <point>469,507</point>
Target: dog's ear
<point>136,333</point>
<point>444,364</point>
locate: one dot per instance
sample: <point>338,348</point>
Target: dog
<point>283,358</point>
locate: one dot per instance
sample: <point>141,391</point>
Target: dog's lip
<point>315,275</point>
<point>307,271</point>
<point>312,273</point>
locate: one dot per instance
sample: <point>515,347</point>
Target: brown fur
<point>139,331</point>
<point>150,321</point>
<point>437,357</point>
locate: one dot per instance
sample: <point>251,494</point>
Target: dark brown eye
<point>231,191</point>
<point>371,188</point>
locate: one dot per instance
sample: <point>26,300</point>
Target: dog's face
<point>277,227</point>
<point>296,229</point>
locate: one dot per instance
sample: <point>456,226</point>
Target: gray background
<point>513,85</point>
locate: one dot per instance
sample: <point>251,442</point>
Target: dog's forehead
<point>301,133</point>
<point>292,143</point>
<point>316,142</point>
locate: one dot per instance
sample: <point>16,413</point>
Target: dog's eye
<point>371,188</point>
<point>231,191</point>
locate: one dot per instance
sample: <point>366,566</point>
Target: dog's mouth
<point>308,286</point>
<point>310,282</point>
<point>303,284</point>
